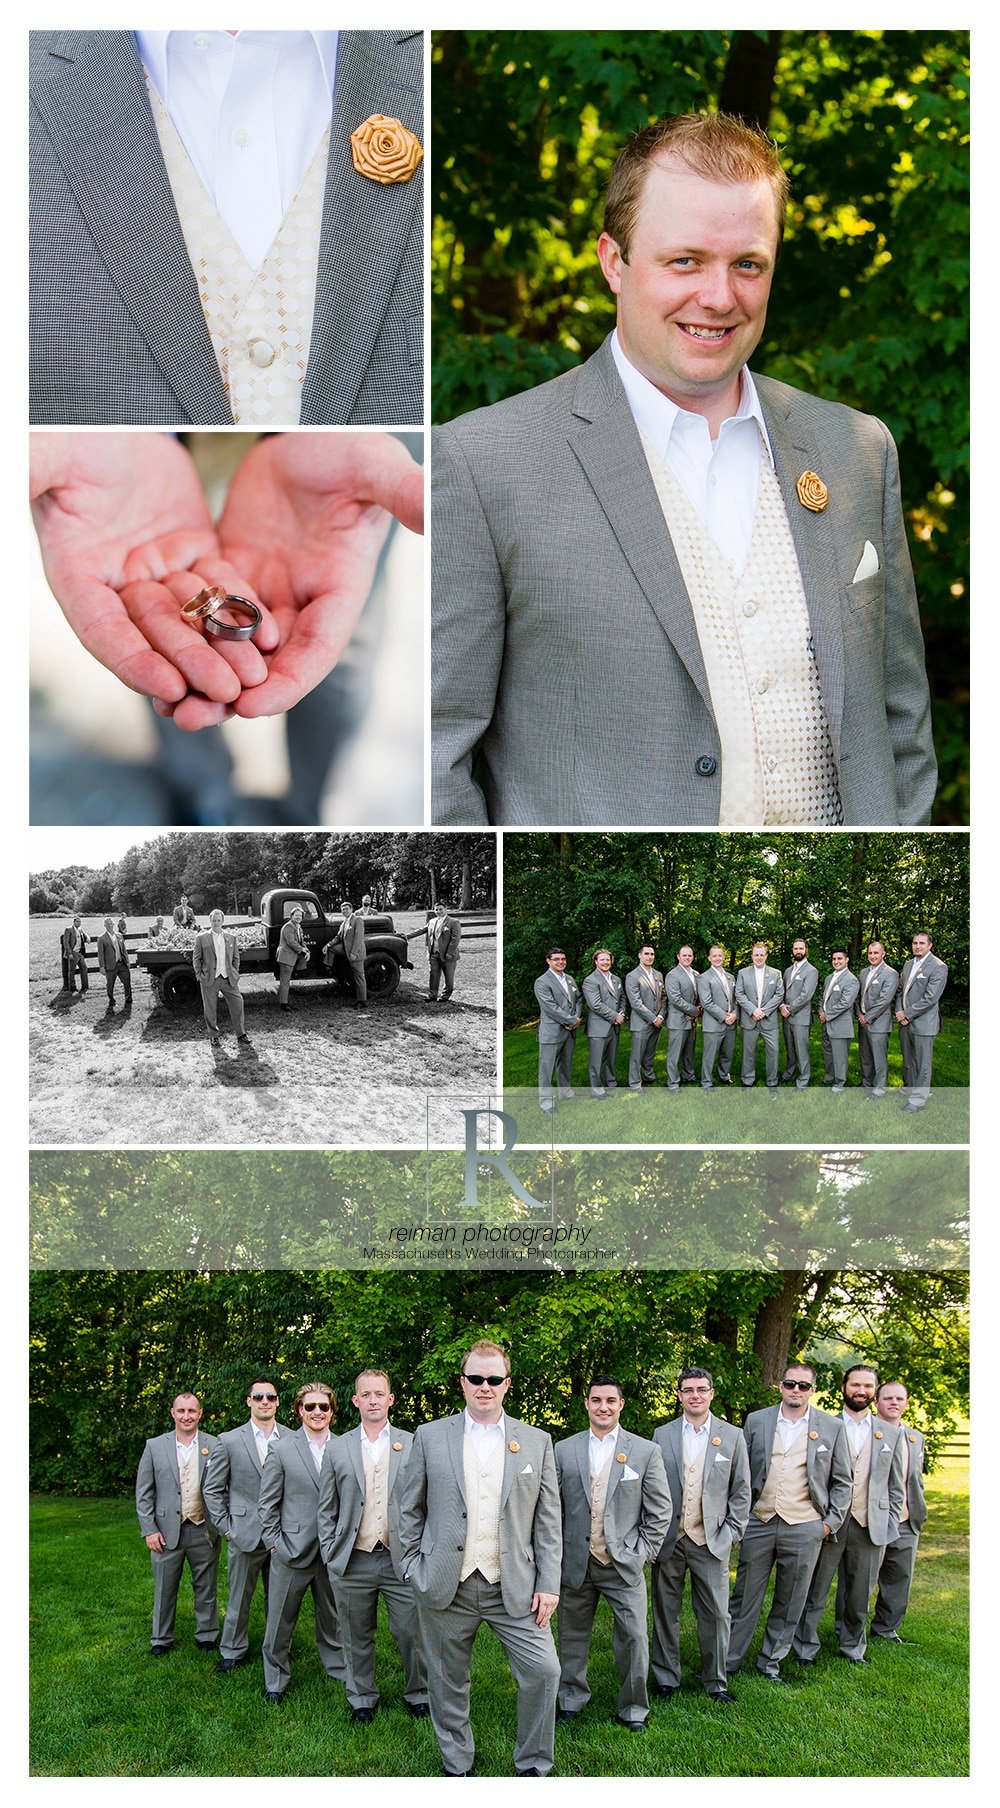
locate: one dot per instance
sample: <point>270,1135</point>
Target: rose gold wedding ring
<point>225,630</point>
<point>204,604</point>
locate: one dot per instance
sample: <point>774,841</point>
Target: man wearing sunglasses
<point>801,1485</point>
<point>288,1506</point>
<point>231,1494</point>
<point>479,1528</point>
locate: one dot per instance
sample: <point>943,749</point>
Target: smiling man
<point>665,590</point>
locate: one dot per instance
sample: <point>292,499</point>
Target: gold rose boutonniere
<point>514,1446</point>
<point>878,1434</point>
<point>383,149</point>
<point>204,1450</point>
<point>812,492</point>
<point>716,1440</point>
<point>397,1447</point>
<point>620,1456</point>
<point>814,1434</point>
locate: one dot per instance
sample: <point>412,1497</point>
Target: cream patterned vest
<point>905,1509</point>
<point>692,1522</point>
<point>483,1465</point>
<point>777,757</point>
<point>862,1471</point>
<point>259,321</point>
<point>191,1506</point>
<point>786,1490</point>
<point>375,1518</point>
<point>598,1501</point>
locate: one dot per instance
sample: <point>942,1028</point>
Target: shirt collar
<point>154,51</point>
<point>602,1443</point>
<point>856,1425</point>
<point>381,1439</point>
<point>695,1431</point>
<point>479,1430</point>
<point>656,415</point>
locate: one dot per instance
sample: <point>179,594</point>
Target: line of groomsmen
<point>760,1000</point>
<point>477,1518</point>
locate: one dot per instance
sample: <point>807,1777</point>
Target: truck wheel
<point>381,975</point>
<point>178,988</point>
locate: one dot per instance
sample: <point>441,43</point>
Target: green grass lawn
<point>102,1706</point>
<point>733,1114</point>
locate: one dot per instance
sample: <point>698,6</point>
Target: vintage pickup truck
<point>171,970</point>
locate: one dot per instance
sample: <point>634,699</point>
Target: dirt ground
<point>325,1075</point>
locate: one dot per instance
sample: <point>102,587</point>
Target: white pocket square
<point>527,1470</point>
<point>629,1475</point>
<point>822,1447</point>
<point>720,1459</point>
<point>869,563</point>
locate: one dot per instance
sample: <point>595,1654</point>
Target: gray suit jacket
<point>289,1499</point>
<point>646,1004</point>
<point>204,957</point>
<point>551,551</point>
<point>681,985</point>
<point>158,1486</point>
<point>714,999</point>
<point>921,1005</point>
<point>557,1013</point>
<point>828,1461</point>
<point>601,1009</point>
<point>746,995</point>
<point>800,983</point>
<point>636,1508</point>
<point>725,1484</point>
<point>342,1497</point>
<point>879,997</point>
<point>838,1004</point>
<point>117,329</point>
<point>232,1487</point>
<point>433,1524</point>
<point>915,1501</point>
<point>885,1483</point>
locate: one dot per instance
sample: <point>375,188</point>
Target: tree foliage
<point>870,303</point>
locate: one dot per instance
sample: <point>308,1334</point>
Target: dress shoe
<point>806,1662</point>
<point>631,1726</point>
<point>159,1650</point>
<point>911,1106</point>
<point>243,1038</point>
<point>565,1715</point>
<point>274,1696</point>
<point>566,1092</point>
<point>527,1773</point>
<point>548,1106</point>
<point>206,1644</point>
<point>722,1695</point>
<point>848,1659</point>
<point>723,1079</point>
<point>889,1638</point>
<point>362,1716</point>
<point>216,1041</point>
<point>772,1676</point>
<point>665,1691</point>
<point>417,1710</point>
<point>225,1664</point>
<point>839,1087</point>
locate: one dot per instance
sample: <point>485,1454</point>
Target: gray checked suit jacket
<point>289,1500</point>
<point>636,1508</point>
<point>432,1515</point>
<point>828,1461</point>
<point>725,1484</point>
<point>117,329</point>
<point>646,1003</point>
<point>557,1014</point>
<point>232,1487</point>
<point>746,995</point>
<point>885,1483</point>
<point>158,1486</point>
<point>601,1009</point>
<point>551,558</point>
<point>712,997</point>
<point>921,1005</point>
<point>916,1504</point>
<point>342,1497</point>
<point>878,1000</point>
<point>838,1005</point>
<point>681,985</point>
<point>800,983</point>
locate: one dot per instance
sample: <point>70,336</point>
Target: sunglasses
<point>803,1387</point>
<point>487,1380</point>
<point>260,1397</point>
<point>316,1406</point>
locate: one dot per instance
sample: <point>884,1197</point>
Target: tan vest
<point>375,1518</point>
<point>786,1490</point>
<point>259,321</point>
<point>862,1464</point>
<point>905,1509</point>
<point>191,1506</point>
<point>483,1483</point>
<point>598,1502</point>
<point>692,1524</point>
<point>755,636</point>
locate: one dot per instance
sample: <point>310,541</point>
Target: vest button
<point>261,353</point>
<point>750,608</point>
<point>705,765</point>
<point>761,685</point>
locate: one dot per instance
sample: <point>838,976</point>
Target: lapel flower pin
<point>910,1439</point>
<point>812,492</point>
<point>878,1434</point>
<point>204,1450</point>
<point>620,1456</point>
<point>397,1445</point>
<point>514,1446</point>
<point>814,1434</point>
<point>716,1440</point>
<point>384,150</point>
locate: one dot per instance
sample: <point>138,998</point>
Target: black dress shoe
<point>665,1691</point>
<point>206,1644</point>
<point>243,1038</point>
<point>772,1676</point>
<point>159,1650</point>
<point>417,1710</point>
<point>806,1662</point>
<point>565,1715</point>
<point>722,1695</point>
<point>527,1773</point>
<point>274,1696</point>
<point>631,1726</point>
<point>225,1664</point>
<point>848,1659</point>
<point>362,1716</point>
<point>889,1638</point>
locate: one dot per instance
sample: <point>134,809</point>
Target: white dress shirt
<point>857,1430</point>
<point>601,1450</point>
<point>719,477</point>
<point>483,1434</point>
<point>249,107</point>
<point>787,1428</point>
<point>371,1448</point>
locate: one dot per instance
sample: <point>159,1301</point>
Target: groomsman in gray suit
<point>443,938</point>
<point>717,997</point>
<point>615,1512</point>
<point>683,1012</point>
<point>605,999</point>
<point>559,1004</point>
<point>231,1494</point>
<point>289,1508</point>
<point>800,981</point>
<point>759,992</point>
<point>645,993</point>
<point>836,1014</point>
<point>895,1576</point>
<point>176,1525</point>
<point>359,1541</point>
<point>921,984</point>
<point>879,985</point>
<point>856,1547</point>
<point>800,1485</point>
<point>708,1474</point>
<point>479,1533</point>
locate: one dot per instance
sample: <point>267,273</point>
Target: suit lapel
<point>356,1455</point>
<point>622,1449</point>
<point>366,224</point>
<point>96,112</point>
<point>583,1461</point>
<point>605,439</point>
<point>513,1460</point>
<point>796,451</point>
<point>456,1450</point>
<point>301,1442</point>
<point>675,1457</point>
<point>395,1457</point>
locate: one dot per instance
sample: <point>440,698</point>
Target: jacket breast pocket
<point>866,600</point>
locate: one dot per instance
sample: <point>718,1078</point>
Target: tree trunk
<point>748,83</point>
<point>772,1332</point>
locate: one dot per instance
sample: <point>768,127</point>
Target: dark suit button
<point>705,766</point>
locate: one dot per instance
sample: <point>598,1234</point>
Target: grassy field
<point>326,1074</point>
<point>733,1114</point>
<point>103,1707</point>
